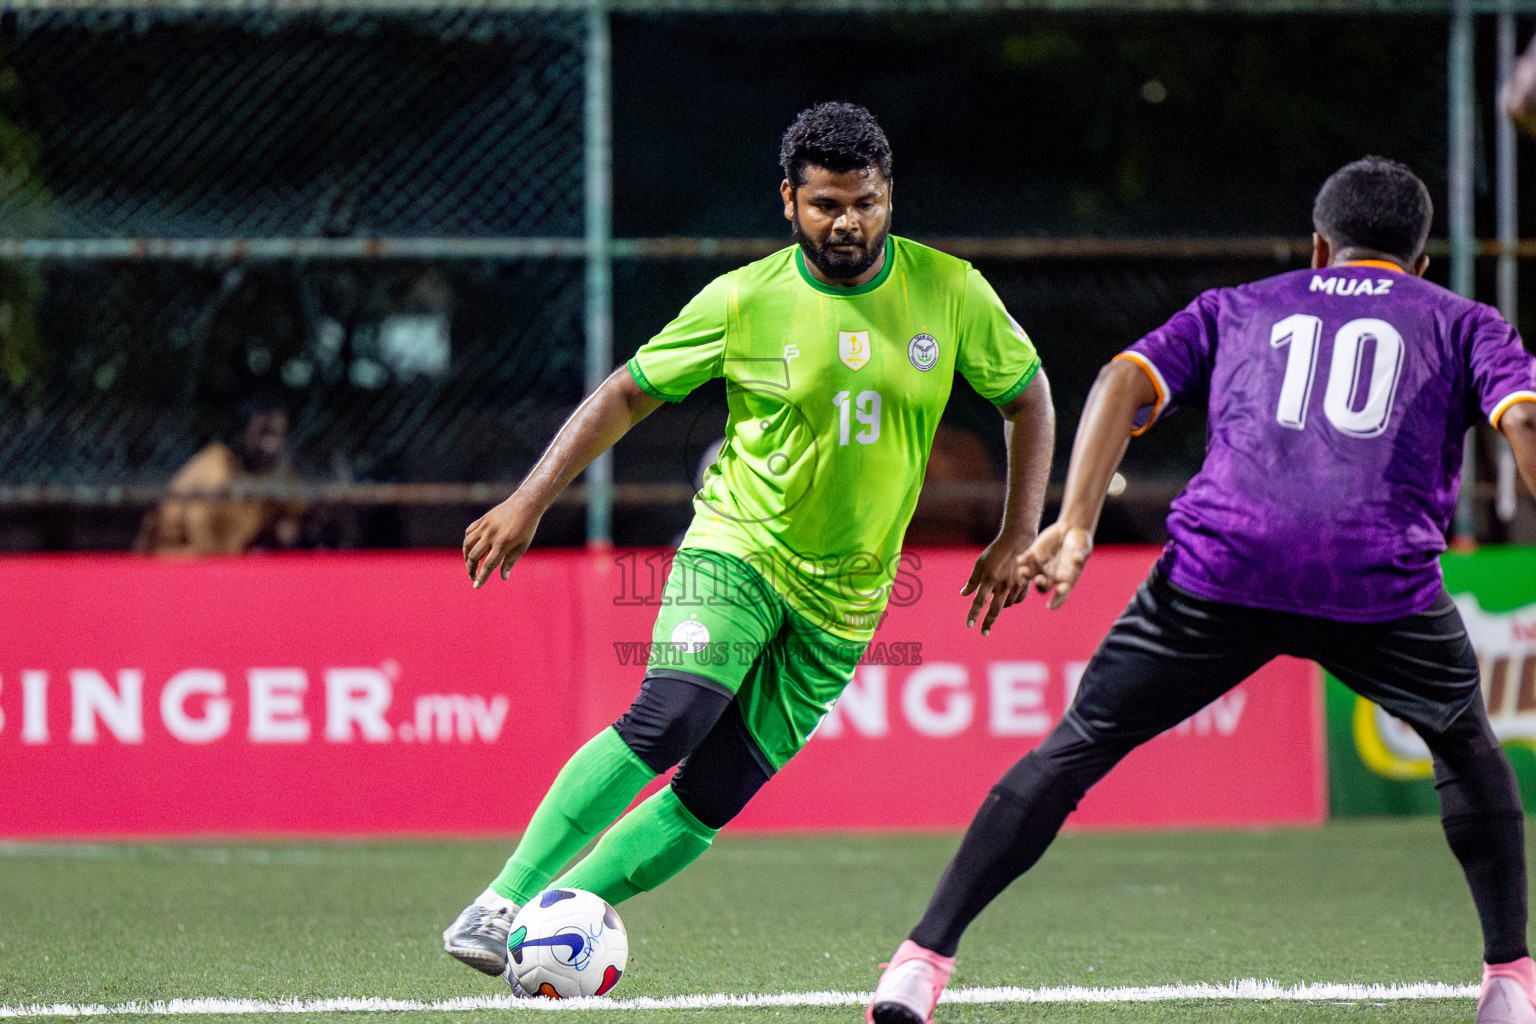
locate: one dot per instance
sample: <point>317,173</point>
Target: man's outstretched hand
<point>1055,560</point>
<point>996,578</point>
<point>499,538</point>
<point>1518,97</point>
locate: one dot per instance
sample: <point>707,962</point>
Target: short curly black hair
<point>1377,204</point>
<point>838,136</point>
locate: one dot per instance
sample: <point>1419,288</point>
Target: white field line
<point>1247,989</point>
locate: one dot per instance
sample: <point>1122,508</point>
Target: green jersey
<point>834,396</point>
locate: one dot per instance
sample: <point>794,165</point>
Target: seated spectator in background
<point>185,523</point>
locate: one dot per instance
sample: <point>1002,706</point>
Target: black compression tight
<point>676,720</point>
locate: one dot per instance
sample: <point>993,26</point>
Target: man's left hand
<point>998,579</point>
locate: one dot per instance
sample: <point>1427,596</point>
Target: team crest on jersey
<point>853,348</point>
<point>923,351</point>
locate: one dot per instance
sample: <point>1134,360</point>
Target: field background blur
<point>380,214</point>
<point>427,230</point>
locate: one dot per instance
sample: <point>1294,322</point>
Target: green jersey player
<point>839,354</point>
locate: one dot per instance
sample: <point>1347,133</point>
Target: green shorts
<point>722,625</point>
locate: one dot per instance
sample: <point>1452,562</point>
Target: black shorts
<point>1171,653</point>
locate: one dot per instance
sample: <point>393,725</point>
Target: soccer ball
<point>567,943</point>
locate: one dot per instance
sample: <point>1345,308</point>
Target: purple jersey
<point>1337,401</point>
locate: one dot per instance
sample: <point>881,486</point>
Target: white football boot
<point>1504,999</point>
<point>478,937</point>
<point>909,989</point>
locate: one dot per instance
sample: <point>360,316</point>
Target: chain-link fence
<point>380,218</point>
<point>267,145</point>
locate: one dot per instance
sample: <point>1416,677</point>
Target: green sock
<point>593,788</point>
<point>649,845</point>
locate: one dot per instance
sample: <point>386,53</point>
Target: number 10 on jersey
<point>1303,332</point>
<point>865,408</point>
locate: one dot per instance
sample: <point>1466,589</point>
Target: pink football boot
<point>1509,993</point>
<point>909,989</point>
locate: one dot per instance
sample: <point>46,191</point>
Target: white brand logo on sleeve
<point>691,636</point>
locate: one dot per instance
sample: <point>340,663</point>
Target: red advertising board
<point>371,694</point>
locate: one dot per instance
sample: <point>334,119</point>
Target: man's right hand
<point>1518,97</point>
<point>499,538</point>
<point>1056,559</point>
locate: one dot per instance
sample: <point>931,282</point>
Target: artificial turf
<point>1356,901</point>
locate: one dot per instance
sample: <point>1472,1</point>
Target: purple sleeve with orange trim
<point>1500,371</point>
<point>1179,356</point>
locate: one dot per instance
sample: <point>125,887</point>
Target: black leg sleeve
<point>1485,827</point>
<point>723,773</point>
<point>1167,656</point>
<point>1422,669</point>
<point>1016,823</point>
<point>670,717</point>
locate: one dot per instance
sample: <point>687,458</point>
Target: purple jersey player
<point>1337,400</point>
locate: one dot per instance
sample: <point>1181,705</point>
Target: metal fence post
<point>1506,497</point>
<point>599,239</point>
<point>1506,173</point>
<point>1459,181</point>
<point>1462,138</point>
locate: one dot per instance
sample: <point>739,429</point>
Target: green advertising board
<point>1376,765</point>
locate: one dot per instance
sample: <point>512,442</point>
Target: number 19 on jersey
<point>865,408</point>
